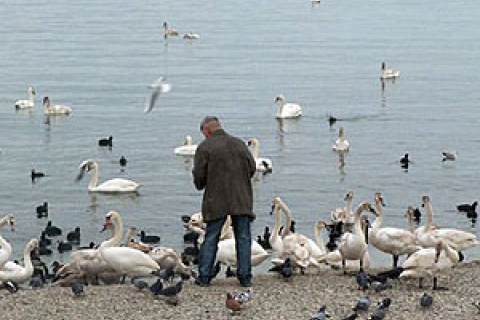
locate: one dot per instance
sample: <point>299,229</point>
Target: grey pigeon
<point>426,300</point>
<point>363,304</point>
<point>139,284</point>
<point>378,314</point>
<point>379,286</point>
<point>77,288</point>
<point>244,297</point>
<point>172,290</point>
<point>322,314</point>
<point>362,280</point>
<point>351,317</point>
<point>167,274</point>
<point>156,287</point>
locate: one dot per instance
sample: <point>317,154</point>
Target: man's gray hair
<point>208,119</point>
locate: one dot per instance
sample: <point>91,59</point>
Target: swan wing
<point>125,258</point>
<point>118,185</point>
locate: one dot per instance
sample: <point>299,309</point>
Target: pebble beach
<point>273,298</point>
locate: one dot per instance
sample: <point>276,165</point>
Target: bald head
<point>209,125</point>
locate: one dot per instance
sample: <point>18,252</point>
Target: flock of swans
<point>48,108</point>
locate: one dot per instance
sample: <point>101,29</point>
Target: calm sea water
<point>99,58</point>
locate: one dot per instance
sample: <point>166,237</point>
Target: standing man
<point>224,166</point>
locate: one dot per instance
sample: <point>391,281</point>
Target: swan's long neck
<point>128,237</point>
<point>27,259</point>
<point>451,254</point>
<point>94,179</point>
<point>188,141</point>
<point>357,225</point>
<point>379,218</point>
<point>429,218</point>
<point>255,149</point>
<point>117,234</point>
<point>31,96</point>
<point>318,236</point>
<point>349,209</point>
<point>411,226</point>
<point>288,219</point>
<point>276,228</point>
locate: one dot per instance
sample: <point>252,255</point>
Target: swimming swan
<point>341,145</point>
<point>25,104</point>
<point>168,32</point>
<point>287,110</point>
<point>394,241</point>
<point>116,185</point>
<point>55,110</point>
<point>188,148</point>
<point>6,248</point>
<point>190,36</point>
<point>388,73</point>
<point>262,164</point>
<point>16,273</point>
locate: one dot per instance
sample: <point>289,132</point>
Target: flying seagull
<point>159,86</point>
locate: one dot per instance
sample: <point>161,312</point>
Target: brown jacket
<point>223,165</point>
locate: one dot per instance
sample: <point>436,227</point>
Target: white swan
<point>262,164</point>
<point>456,239</point>
<point>188,148</point>
<point>345,214</point>
<point>430,262</point>
<point>16,273</point>
<point>191,36</point>
<point>287,110</point>
<point>352,246</point>
<point>26,104</point>
<point>341,145</point>
<point>388,73</point>
<point>197,225</point>
<point>116,185</point>
<point>168,32</point>
<point>55,110</point>
<point>6,248</point>
<point>168,257</point>
<point>124,260</point>
<point>394,241</point>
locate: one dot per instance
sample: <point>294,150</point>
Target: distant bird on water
<point>449,155</point>
<point>158,87</point>
<point>35,175</point>
<point>405,161</point>
<point>106,142</point>
<point>123,161</point>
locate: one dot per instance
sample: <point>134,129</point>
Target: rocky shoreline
<point>273,298</point>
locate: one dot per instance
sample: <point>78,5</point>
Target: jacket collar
<point>219,132</point>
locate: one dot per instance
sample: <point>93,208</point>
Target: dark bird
<point>417,214</point>
<point>44,251</point>
<point>385,303</point>
<point>139,284</point>
<point>43,242</point>
<point>35,175</point>
<point>74,236</point>
<point>321,314</point>
<point>64,246</point>
<point>167,274</point>
<point>264,244</point>
<point>362,304</point>
<point>426,300</point>
<point>190,237</point>
<point>77,288</point>
<point>10,286</point>
<point>172,290</point>
<point>91,245</point>
<point>362,280</point>
<point>351,317</point>
<point>232,304</point>
<point>123,161</point>
<point>377,278</point>
<point>331,120</point>
<point>42,210</point>
<point>156,287</point>
<point>229,273</point>
<point>148,239</point>
<point>405,161</point>
<point>185,218</point>
<point>106,142</point>
<point>268,168</point>
<point>266,233</point>
<point>380,286</point>
<point>392,273</point>
<point>51,230</point>
<point>285,269</point>
<point>470,210</point>
<point>56,266</point>
<point>36,282</point>
<point>378,314</point>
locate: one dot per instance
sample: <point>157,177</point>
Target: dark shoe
<point>246,284</point>
<point>200,283</point>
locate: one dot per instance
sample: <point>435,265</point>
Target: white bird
<point>168,32</point>
<point>287,110</point>
<point>262,164</point>
<point>55,110</point>
<point>394,241</point>
<point>116,185</point>
<point>341,145</point>
<point>25,104</point>
<point>388,73</point>
<point>158,87</point>
<point>190,36</point>
<point>168,257</point>
<point>345,214</point>
<point>188,148</point>
<point>449,155</point>
<point>16,273</point>
<point>6,248</point>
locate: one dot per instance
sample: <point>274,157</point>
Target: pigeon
<point>426,300</point>
<point>232,304</point>
<point>159,86</point>
<point>284,269</point>
<point>244,297</point>
<point>156,287</point>
<point>362,280</point>
<point>380,286</point>
<point>381,310</point>
<point>139,284</point>
<point>172,290</point>
<point>363,304</point>
<point>449,155</point>
<point>385,303</point>
<point>77,288</point>
<point>321,314</point>
<point>167,274</point>
<point>36,282</point>
<point>351,317</point>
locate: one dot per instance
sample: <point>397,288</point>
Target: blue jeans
<point>243,247</point>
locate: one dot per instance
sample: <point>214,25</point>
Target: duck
<point>16,273</point>
<point>35,174</point>
<point>148,238</point>
<point>394,241</point>
<point>169,32</point>
<point>287,110</point>
<point>74,236</point>
<point>6,248</point>
<point>469,209</point>
<point>341,145</point>
<point>262,164</point>
<point>106,142</point>
<point>352,245</point>
<point>430,262</point>
<point>405,161</point>
<point>123,161</point>
<point>64,246</point>
<point>51,230</point>
<point>42,210</point>
<point>449,155</point>
<point>388,73</point>
<point>116,185</point>
<point>55,110</point>
<point>188,148</point>
<point>26,104</point>
<point>191,36</point>
<point>458,240</point>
